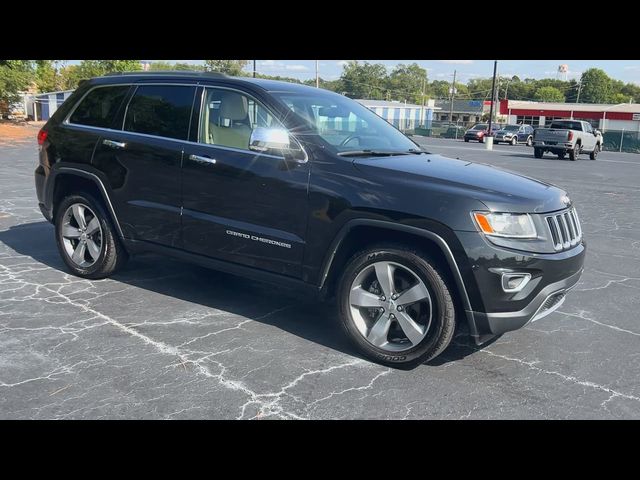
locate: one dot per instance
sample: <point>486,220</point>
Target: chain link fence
<point>621,141</point>
<point>442,129</point>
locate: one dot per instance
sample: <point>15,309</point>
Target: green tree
<point>632,91</point>
<point>440,89</point>
<point>548,94</point>
<point>72,74</point>
<point>47,75</point>
<point>406,82</point>
<point>228,67</point>
<point>365,80</point>
<point>163,65</point>
<point>15,76</point>
<point>619,98</point>
<point>596,86</point>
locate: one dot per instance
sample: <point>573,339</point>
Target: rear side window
<point>161,110</point>
<point>99,107</point>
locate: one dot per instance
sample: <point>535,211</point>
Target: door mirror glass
<point>276,141</point>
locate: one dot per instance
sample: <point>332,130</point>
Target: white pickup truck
<point>571,137</point>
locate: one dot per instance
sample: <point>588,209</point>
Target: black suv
<point>288,183</point>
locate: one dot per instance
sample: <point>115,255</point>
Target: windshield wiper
<point>376,153</point>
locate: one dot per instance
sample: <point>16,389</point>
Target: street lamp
<point>604,115</point>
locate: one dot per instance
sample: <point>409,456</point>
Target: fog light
<point>515,282</point>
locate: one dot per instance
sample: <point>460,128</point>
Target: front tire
<point>537,152</point>
<point>529,141</point>
<point>86,238</point>
<point>593,155</point>
<point>514,141</point>
<point>466,140</point>
<point>395,305</point>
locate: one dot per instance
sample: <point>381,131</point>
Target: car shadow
<point>547,157</point>
<point>297,313</point>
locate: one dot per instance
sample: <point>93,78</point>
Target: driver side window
<point>228,118</point>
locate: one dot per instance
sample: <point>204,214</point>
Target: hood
<point>498,189</point>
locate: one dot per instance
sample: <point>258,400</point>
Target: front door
<point>142,162</point>
<point>241,205</point>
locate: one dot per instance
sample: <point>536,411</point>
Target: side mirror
<point>276,141</point>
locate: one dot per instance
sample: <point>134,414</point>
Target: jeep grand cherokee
<point>292,184</point>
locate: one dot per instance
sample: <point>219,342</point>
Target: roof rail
<point>169,72</point>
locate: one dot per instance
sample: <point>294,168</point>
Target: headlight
<point>512,225</point>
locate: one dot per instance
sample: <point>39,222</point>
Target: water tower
<point>563,72</point>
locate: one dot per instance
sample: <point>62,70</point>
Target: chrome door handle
<point>200,159</point>
<point>114,144</point>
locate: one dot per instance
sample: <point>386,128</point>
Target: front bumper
<point>548,300</point>
<point>495,311</point>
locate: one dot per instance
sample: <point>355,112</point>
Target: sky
<point>625,70</point>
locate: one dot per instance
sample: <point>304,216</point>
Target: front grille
<point>565,229</point>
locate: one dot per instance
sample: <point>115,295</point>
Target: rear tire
<point>430,320</point>
<point>593,155</point>
<point>537,152</point>
<point>466,140</point>
<point>561,155</point>
<point>88,255</point>
<point>573,154</point>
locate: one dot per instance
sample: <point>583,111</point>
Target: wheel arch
<point>66,180</point>
<point>357,234</point>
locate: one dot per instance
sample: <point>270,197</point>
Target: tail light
<point>570,137</point>
<point>42,136</point>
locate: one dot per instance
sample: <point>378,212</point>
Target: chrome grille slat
<point>565,229</point>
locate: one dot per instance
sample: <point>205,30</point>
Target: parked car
<point>515,134</point>
<point>306,188</point>
<point>479,131</point>
<point>571,137</point>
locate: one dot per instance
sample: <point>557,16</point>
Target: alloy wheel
<point>390,306</point>
<point>81,235</point>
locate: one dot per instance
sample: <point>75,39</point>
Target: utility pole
<point>453,91</point>
<point>254,69</point>
<point>493,94</point>
<point>424,86</point>
<point>317,77</point>
<point>579,89</point>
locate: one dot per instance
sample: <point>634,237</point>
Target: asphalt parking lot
<point>168,340</point>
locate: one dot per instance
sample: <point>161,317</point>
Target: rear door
<point>142,161</point>
<point>589,140</point>
<point>79,133</point>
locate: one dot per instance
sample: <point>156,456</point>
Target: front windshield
<point>345,124</point>
<point>512,128</point>
<point>480,126</point>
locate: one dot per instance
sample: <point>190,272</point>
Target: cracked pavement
<point>169,340</point>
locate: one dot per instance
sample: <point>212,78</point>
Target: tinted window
<point>99,107</point>
<point>567,125</point>
<point>162,110</point>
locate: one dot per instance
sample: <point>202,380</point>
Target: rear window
<point>567,125</point>
<point>480,126</point>
<point>161,110</point>
<point>99,107</point>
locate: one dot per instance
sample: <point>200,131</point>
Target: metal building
<point>43,105</point>
<point>404,116</point>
